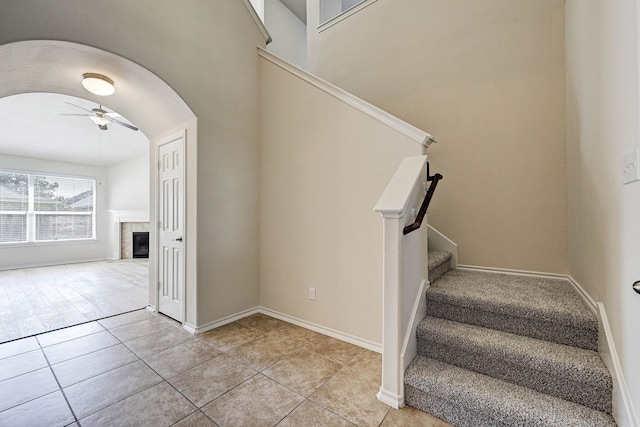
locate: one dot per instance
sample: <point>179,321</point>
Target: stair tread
<point>545,299</point>
<point>572,373</point>
<point>506,403</point>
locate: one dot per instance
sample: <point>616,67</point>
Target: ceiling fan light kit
<point>98,84</point>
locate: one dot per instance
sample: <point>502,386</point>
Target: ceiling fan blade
<point>77,106</point>
<point>113,115</point>
<point>127,125</point>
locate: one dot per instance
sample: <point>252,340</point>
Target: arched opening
<point>53,70</point>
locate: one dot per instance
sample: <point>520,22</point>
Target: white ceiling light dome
<point>98,84</point>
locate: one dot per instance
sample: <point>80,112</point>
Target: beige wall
<point>206,51</point>
<point>602,125</point>
<point>486,78</point>
<point>323,166</point>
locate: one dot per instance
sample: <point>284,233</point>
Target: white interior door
<point>171,213</point>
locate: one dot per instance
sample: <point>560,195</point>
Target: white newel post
<point>396,205</point>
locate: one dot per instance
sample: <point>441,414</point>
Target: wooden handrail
<point>425,203</point>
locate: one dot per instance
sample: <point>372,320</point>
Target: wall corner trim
<point>259,23</point>
<point>410,131</point>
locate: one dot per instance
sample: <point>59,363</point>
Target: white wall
<point>129,184</point>
<point>289,33</point>
<point>486,78</point>
<point>602,125</point>
<point>323,166</point>
<point>15,256</point>
<point>206,51</point>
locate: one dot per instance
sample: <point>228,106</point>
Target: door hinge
<point>159,165</point>
<point>158,285</point>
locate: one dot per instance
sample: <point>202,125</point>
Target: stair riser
<point>445,410</point>
<point>437,272</point>
<point>561,334</point>
<point>593,395</point>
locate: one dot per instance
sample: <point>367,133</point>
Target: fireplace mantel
<point>118,217</point>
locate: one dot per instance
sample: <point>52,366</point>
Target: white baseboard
<point>217,323</point>
<point>52,264</point>
<point>585,296</point>
<point>512,272</point>
<point>369,345</point>
<point>623,410</point>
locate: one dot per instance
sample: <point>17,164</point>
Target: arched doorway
<point>141,96</point>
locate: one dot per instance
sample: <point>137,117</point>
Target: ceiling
<point>37,70</point>
<point>31,126</point>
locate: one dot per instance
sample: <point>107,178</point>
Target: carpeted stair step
<point>570,373</point>
<point>543,308</point>
<point>439,263</point>
<point>465,398</point>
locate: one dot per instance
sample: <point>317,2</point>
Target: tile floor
<point>42,299</point>
<point>142,369</point>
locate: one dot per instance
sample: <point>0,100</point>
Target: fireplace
<point>141,244</point>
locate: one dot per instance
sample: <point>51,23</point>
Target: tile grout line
<point>75,418</point>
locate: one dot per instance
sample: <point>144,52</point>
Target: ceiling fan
<point>100,117</point>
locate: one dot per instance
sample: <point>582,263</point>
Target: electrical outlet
<point>631,167</point>
<point>312,294</point>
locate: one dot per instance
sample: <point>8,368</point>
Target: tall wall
<point>16,256</point>
<point>323,166</point>
<point>289,33</point>
<point>129,184</point>
<point>206,51</point>
<point>486,78</point>
<point>602,125</point>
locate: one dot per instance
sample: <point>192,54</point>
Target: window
<point>44,208</point>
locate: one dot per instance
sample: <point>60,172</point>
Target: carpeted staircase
<point>507,350</point>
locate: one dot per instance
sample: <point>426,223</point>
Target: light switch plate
<point>631,167</point>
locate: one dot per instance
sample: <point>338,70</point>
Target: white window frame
<point>31,213</point>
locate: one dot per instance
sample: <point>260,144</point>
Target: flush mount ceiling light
<point>98,84</point>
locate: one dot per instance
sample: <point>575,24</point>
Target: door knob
<point>636,286</point>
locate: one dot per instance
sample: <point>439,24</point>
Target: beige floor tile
<point>262,322</point>
<point>24,388</point>
<point>69,333</point>
<point>94,394</point>
<point>49,410</point>
<point>139,329</point>
<point>21,364</point>
<point>158,341</point>
<point>262,353</point>
<point>160,405</point>
<point>80,346</point>
<point>368,363</point>
<point>310,414</point>
<point>350,395</point>
<point>302,371</point>
<point>84,367</point>
<point>410,417</point>
<point>205,382</point>
<point>258,402</point>
<point>126,318</point>
<point>334,349</point>
<point>231,335</point>
<point>295,334</point>
<point>197,419</point>
<point>19,346</point>
<point>180,358</point>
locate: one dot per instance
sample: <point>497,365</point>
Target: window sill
<point>47,243</point>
